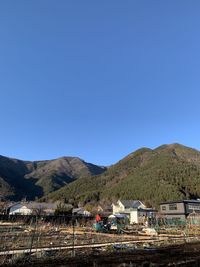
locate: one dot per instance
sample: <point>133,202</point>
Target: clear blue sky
<point>98,79</point>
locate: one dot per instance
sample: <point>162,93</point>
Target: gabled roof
<point>131,203</point>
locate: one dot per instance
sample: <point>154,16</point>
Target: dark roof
<point>147,210</point>
<point>182,201</point>
<point>131,203</point>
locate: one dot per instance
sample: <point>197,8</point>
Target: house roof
<point>38,205</point>
<point>131,203</point>
<point>80,211</point>
<point>77,210</point>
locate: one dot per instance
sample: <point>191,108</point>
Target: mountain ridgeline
<point>25,179</point>
<point>169,172</point>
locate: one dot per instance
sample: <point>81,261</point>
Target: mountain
<point>169,172</point>
<point>25,179</point>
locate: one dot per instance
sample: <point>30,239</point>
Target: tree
<point>63,209</point>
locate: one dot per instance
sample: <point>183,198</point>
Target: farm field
<point>45,243</point>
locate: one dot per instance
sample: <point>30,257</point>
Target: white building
<point>134,209</point>
<point>35,208</point>
<point>19,208</point>
<point>81,212</point>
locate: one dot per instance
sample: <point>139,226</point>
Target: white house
<point>134,209</point>
<point>19,208</point>
<point>28,208</point>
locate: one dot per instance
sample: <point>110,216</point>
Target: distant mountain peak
<point>32,179</point>
<point>173,146</point>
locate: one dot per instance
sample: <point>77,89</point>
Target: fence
<point>53,219</point>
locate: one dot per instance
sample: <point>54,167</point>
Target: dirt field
<point>46,245</point>
<point>181,255</point>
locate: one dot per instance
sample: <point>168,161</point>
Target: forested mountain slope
<point>25,179</point>
<point>168,172</point>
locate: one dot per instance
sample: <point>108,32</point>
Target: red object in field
<point>98,218</point>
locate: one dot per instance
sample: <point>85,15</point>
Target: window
<point>172,206</point>
<point>193,207</point>
<point>163,207</point>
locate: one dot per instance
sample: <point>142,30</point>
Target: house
<point>179,209</point>
<point>32,208</point>
<point>19,209</point>
<point>125,205</point>
<point>81,212</point>
<point>134,209</point>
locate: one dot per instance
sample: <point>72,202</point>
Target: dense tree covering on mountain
<point>170,172</point>
<point>25,179</point>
